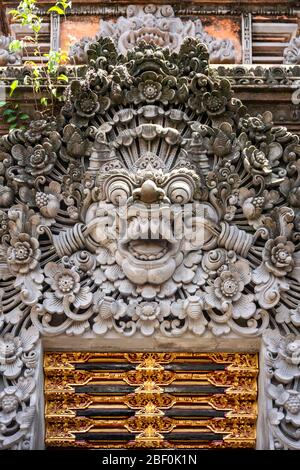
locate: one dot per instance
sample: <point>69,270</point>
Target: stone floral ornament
<point>150,88</point>
<point>283,359</point>
<point>17,412</point>
<point>33,161</point>
<point>126,215</point>
<point>33,152</point>
<point>65,289</point>
<point>23,255</point>
<point>226,292</point>
<point>13,351</point>
<point>279,259</point>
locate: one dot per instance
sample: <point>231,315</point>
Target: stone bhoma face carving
<point>153,204</point>
<point>159,25</point>
<point>8,57</point>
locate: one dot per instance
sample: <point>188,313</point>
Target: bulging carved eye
<point>180,192</point>
<point>118,192</point>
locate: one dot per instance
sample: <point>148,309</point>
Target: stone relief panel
<point>152,204</point>
<point>159,25</point>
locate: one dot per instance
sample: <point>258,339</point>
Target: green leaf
<point>11,119</point>
<point>13,86</point>
<point>2,103</point>
<point>63,78</point>
<point>27,80</point>
<point>13,12</point>
<point>13,126</point>
<point>57,9</point>
<point>44,101</point>
<point>8,112</point>
<point>24,116</point>
<point>15,45</point>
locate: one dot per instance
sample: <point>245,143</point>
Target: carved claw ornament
<point>152,204</point>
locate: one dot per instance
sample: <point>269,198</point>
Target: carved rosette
<point>153,204</point>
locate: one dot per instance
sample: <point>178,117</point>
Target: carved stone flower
<point>12,349</point>
<point>65,284</point>
<point>148,314</point>
<point>37,129</point>
<point>227,291</point>
<point>288,360</point>
<point>33,161</point>
<point>87,104</point>
<point>23,255</point>
<point>151,88</point>
<point>214,103</point>
<point>256,127</point>
<point>278,256</point>
<point>255,161</point>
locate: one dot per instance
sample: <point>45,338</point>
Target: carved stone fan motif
<point>153,204</point>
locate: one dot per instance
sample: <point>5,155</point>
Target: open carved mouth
<point>148,250</point>
<point>160,38</point>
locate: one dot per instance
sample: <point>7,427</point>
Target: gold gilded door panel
<point>150,400</point>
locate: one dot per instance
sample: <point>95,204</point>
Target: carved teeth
<point>156,250</point>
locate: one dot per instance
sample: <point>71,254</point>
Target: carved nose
<point>150,192</point>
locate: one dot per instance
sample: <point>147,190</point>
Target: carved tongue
<point>148,247</point>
